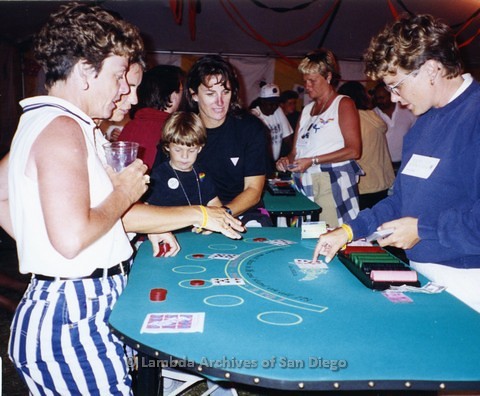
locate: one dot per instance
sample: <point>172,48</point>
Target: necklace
<point>96,129</point>
<point>314,122</point>
<point>183,189</point>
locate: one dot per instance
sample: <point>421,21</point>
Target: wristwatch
<point>227,209</point>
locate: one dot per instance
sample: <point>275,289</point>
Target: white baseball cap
<point>269,91</point>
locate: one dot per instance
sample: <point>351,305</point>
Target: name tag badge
<point>420,166</point>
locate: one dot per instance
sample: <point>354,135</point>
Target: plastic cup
<point>120,154</point>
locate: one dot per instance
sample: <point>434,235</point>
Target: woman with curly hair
<point>69,213</point>
<point>434,211</point>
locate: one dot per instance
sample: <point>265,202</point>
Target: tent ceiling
<point>347,32</point>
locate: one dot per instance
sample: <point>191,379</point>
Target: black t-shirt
<point>235,150</point>
<point>177,188</point>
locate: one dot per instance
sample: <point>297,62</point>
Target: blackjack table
<point>250,312</point>
<point>290,205</point>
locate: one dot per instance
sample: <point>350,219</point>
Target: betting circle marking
<point>294,318</point>
<point>223,300</point>
<point>222,246</point>
<point>189,269</point>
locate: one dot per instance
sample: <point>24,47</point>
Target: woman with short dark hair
<point>235,154</point>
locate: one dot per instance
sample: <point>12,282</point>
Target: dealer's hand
<point>330,243</point>
<point>405,234</point>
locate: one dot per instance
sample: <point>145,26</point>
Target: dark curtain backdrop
<point>10,93</point>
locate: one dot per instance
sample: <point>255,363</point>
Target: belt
<point>122,268</point>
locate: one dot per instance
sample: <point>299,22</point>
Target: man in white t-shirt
<point>269,111</point>
<point>398,119</point>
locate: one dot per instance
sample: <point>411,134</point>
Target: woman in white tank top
<point>327,143</point>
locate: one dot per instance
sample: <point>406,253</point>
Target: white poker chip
<point>173,183</point>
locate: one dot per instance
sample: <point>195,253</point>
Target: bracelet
<point>205,216</point>
<point>349,232</point>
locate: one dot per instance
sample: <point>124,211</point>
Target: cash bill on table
<point>428,288</point>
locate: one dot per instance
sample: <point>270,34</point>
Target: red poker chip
<point>198,255</point>
<point>259,239</point>
<point>163,248</point>
<point>197,282</point>
<point>158,294</point>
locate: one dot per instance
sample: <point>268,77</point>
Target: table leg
<point>274,219</point>
<point>149,378</point>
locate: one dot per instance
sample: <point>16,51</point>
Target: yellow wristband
<point>205,216</point>
<point>349,232</point>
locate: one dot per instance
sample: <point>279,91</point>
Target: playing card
<point>279,242</point>
<point>223,256</point>
<point>309,264</point>
<point>380,234</point>
<point>432,288</point>
<point>227,281</point>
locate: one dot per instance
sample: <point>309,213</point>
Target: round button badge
<point>173,183</point>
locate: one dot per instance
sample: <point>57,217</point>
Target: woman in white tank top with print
<point>327,143</point>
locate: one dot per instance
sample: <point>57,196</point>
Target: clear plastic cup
<point>120,154</point>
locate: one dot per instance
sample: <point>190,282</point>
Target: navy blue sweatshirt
<point>447,203</point>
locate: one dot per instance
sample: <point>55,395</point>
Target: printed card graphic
<point>174,323</point>
<point>397,297</point>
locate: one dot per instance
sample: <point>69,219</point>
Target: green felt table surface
<point>288,328</point>
<point>289,204</point>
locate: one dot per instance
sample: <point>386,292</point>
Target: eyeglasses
<point>394,89</point>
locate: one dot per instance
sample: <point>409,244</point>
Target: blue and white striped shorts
<point>60,341</point>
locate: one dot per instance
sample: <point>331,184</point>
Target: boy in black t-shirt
<point>178,181</point>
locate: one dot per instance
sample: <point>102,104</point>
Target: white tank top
<point>319,134</point>
<point>35,252</point>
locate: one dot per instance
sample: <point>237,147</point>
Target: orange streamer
<point>177,8</point>
<point>393,10</point>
